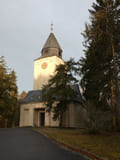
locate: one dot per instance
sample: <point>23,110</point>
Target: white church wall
<point>26,115</point>
<point>43,69</point>
<point>21,116</point>
<point>80,116</point>
<point>29,115</point>
<point>49,118</point>
<point>36,118</point>
<point>75,116</point>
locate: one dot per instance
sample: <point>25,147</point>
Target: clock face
<point>44,65</point>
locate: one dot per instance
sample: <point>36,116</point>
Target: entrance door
<point>42,119</point>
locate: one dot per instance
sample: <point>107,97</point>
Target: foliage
<point>58,91</point>
<point>8,95</point>
<point>100,67</point>
<point>20,98</point>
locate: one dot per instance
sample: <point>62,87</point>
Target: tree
<point>100,67</point>
<point>20,98</point>
<point>58,92</point>
<point>8,95</point>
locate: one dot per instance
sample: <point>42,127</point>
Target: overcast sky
<point>25,26</point>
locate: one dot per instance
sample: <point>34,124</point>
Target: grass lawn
<point>106,145</point>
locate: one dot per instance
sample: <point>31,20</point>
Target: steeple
<point>51,47</point>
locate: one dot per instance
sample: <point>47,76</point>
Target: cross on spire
<point>51,27</point>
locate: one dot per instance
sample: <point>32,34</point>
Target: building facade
<point>32,109</point>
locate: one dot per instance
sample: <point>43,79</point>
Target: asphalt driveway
<point>26,144</point>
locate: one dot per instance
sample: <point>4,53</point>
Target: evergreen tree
<point>100,67</point>
<point>8,95</point>
<point>22,96</point>
<point>58,92</point>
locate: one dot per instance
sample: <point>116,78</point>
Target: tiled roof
<point>35,95</point>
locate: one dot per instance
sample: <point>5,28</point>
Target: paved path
<point>26,144</point>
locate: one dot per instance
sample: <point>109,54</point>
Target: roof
<point>35,95</point>
<point>78,96</point>
<point>32,96</point>
<point>52,42</point>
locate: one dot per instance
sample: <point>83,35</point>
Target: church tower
<point>44,67</point>
<point>33,111</point>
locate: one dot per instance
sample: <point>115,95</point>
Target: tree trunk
<point>115,92</point>
<point>114,118</point>
<point>61,119</point>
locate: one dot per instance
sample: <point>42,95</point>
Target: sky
<point>25,27</point>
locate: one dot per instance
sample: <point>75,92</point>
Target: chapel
<point>32,109</point>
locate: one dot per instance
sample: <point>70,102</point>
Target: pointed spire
<point>52,42</point>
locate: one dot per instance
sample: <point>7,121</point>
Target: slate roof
<point>34,95</point>
<point>52,42</point>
